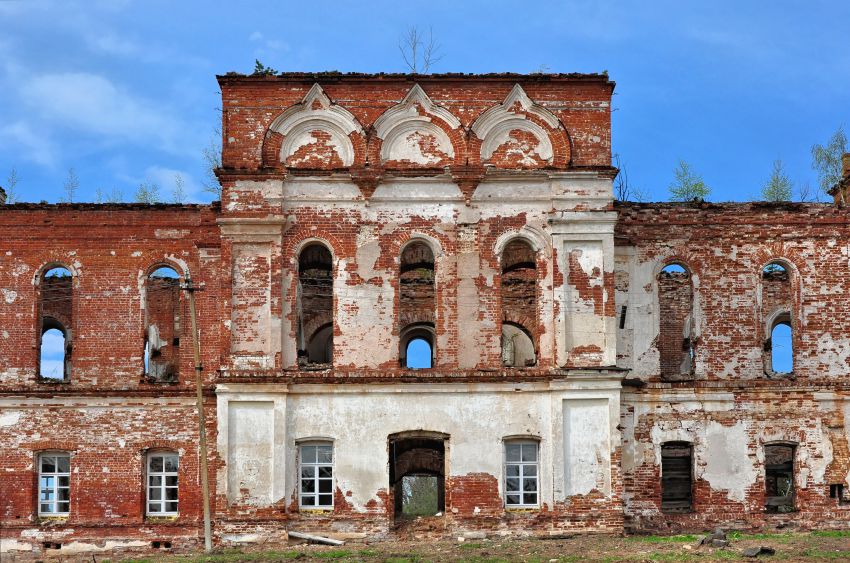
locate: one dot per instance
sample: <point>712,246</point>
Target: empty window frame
<point>519,304</point>
<point>779,477</point>
<point>162,485</point>
<point>315,305</point>
<point>417,346</point>
<point>676,331</point>
<point>162,325</point>
<point>416,306</point>
<point>316,482</point>
<point>777,298</point>
<point>56,314</point>
<point>54,484</point>
<point>676,477</point>
<point>522,479</point>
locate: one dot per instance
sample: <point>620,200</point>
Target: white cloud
<point>113,44</point>
<point>93,104</point>
<point>267,46</point>
<point>165,178</point>
<point>21,138</point>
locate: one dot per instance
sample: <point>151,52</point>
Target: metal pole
<point>202,423</point>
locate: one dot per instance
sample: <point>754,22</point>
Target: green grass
<point>831,533</point>
<point>333,554</point>
<point>827,554</point>
<point>471,546</point>
<point>684,538</point>
<point>783,537</point>
<point>226,557</point>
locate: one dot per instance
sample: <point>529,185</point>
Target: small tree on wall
<point>826,159</point>
<point>687,184</point>
<point>418,52</point>
<point>778,186</point>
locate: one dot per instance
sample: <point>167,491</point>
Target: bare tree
<point>114,196</point>
<point>623,190</point>
<point>419,55</point>
<point>72,183</point>
<point>179,191</point>
<point>11,184</point>
<point>807,194</point>
<point>212,160</point>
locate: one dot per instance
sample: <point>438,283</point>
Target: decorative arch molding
<point>316,121</point>
<point>518,112</point>
<point>410,131</point>
<point>416,236</point>
<point>532,235</point>
<point>54,264</point>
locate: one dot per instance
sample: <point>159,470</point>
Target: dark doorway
<point>417,475</point>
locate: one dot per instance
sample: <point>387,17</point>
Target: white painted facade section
<point>575,421</point>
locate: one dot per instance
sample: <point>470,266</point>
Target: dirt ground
<point>814,546</point>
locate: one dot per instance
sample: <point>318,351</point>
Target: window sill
<point>52,381</point>
<point>317,511</point>
<point>161,519</point>
<point>521,509</point>
<point>47,520</point>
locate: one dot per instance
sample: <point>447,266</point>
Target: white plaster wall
<point>477,418</point>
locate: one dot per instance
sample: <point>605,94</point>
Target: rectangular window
<point>676,485</point>
<point>54,484</point>
<point>521,476</point>
<point>162,484</point>
<point>316,470</point>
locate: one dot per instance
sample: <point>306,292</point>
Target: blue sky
<point>125,92</point>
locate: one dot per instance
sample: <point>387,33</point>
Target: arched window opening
<point>417,475</point>
<point>315,306</point>
<point>519,304</point>
<point>56,314</point>
<point>320,346</point>
<point>417,346</point>
<point>416,306</point>
<point>676,331</point>
<point>779,477</point>
<point>53,353</point>
<point>517,346</point>
<point>162,325</point>
<point>777,300</point>
<point>676,477</point>
<point>779,347</point>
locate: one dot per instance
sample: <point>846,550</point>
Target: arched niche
<point>412,132</point>
<point>316,133</point>
<point>510,138</point>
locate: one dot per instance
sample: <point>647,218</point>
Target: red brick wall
<point>726,246</point>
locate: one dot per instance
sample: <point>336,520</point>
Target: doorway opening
<point>418,474</point>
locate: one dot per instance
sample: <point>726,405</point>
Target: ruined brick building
<point>590,365</point>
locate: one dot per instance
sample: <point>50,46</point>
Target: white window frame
<point>522,473</point>
<point>315,465</point>
<point>52,489</point>
<point>163,477</point>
